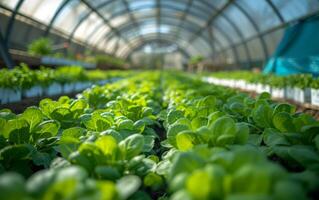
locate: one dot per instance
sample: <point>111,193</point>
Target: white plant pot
<point>302,95</point>
<point>289,93</point>
<point>54,89</point>
<point>35,91</point>
<point>266,88</point>
<point>259,88</point>
<point>209,80</point>
<point>241,84</point>
<point>278,93</point>
<point>232,83</point>
<point>10,95</point>
<point>217,81</point>
<point>251,86</point>
<point>315,97</point>
<point>307,92</point>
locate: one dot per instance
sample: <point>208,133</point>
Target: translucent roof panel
<point>296,8</point>
<point>98,35</point>
<point>226,27</point>
<point>230,27</point>
<point>112,7</point>
<point>134,4</point>
<point>239,21</point>
<point>70,16</point>
<point>261,13</point>
<point>87,27</point>
<point>10,4</point>
<point>41,10</point>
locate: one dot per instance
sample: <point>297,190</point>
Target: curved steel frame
<point>127,54</point>
<point>189,5</point>
<point>162,36</point>
<point>137,39</point>
<point>121,13</point>
<point>150,38</point>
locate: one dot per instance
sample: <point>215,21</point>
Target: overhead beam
<point>55,16</point>
<point>106,21</point>
<point>256,27</point>
<point>4,52</point>
<point>211,19</point>
<point>7,36</point>
<point>133,19</point>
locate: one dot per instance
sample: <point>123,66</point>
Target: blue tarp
<point>298,51</point>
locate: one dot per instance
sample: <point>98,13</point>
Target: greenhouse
<point>159,99</point>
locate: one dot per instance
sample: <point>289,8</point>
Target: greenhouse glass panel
<point>255,49</point>
<point>222,24</point>
<point>120,43</point>
<point>89,25</point>
<point>220,37</point>
<point>114,7</point>
<point>201,12</point>
<point>242,56</point>
<point>229,56</point>
<point>180,5</point>
<point>261,13</point>
<point>134,4</point>
<point>9,3</point>
<point>132,33</point>
<point>144,13</point>
<point>203,46</point>
<point>110,45</point>
<point>73,12</point>
<point>173,14</point>
<point>240,20</point>
<point>272,40</point>
<point>216,3</point>
<point>195,20</point>
<point>197,45</point>
<point>41,10</point>
<point>99,28</point>
<point>293,9</point>
<point>202,8</point>
<point>120,20</point>
<point>95,3</point>
<point>97,37</point>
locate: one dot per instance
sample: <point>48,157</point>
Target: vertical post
<point>5,53</point>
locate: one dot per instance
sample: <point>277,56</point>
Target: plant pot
<point>251,86</point>
<point>68,88</point>
<point>266,88</point>
<point>10,95</point>
<point>315,97</point>
<point>241,84</point>
<point>54,89</point>
<point>35,91</point>
<point>278,93</point>
<point>289,93</point>
<point>302,95</point>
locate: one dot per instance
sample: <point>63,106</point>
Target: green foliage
<point>21,77</point>
<point>158,135</point>
<point>196,59</point>
<point>295,80</point>
<point>40,47</point>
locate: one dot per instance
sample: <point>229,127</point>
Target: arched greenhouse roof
<point>233,30</point>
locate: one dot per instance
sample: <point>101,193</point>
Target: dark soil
<point>19,107</point>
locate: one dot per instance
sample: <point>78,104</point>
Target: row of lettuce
<point>301,88</point>
<point>22,82</point>
<point>44,47</point>
<point>162,136</point>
